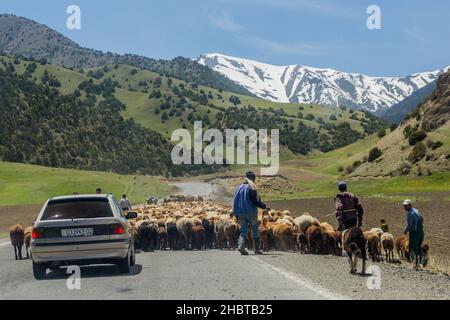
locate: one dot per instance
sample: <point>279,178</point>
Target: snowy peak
<point>297,83</point>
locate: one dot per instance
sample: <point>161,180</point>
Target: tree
<point>374,154</point>
<point>416,136</point>
<point>418,153</point>
<point>381,133</point>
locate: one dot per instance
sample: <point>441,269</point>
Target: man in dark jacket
<point>414,227</point>
<point>245,208</point>
<point>349,211</point>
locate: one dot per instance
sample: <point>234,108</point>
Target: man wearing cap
<point>414,226</point>
<point>245,207</point>
<point>349,211</point>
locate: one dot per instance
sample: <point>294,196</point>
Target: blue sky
<point>321,33</point>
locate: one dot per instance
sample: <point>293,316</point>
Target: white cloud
<point>222,20</point>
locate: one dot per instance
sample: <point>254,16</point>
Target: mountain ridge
<point>21,36</point>
<point>304,84</point>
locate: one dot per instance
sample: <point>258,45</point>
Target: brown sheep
<point>264,234</point>
<point>405,249</point>
<point>398,246</point>
<point>230,232</point>
<point>354,245</point>
<point>162,237</point>
<point>425,249</point>
<point>387,242</point>
<point>283,236</point>
<point>314,235</point>
<point>373,246</point>
<point>199,237</point>
<point>302,243</point>
<point>27,240</point>
<point>16,234</point>
<point>334,242</point>
<point>327,227</point>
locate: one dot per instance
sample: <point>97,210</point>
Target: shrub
<point>418,153</point>
<point>381,133</point>
<point>416,136</point>
<point>436,145</point>
<point>393,127</point>
<point>374,154</point>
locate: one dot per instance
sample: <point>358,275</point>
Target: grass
<point>28,184</point>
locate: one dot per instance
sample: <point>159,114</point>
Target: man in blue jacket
<point>245,208</point>
<point>414,226</point>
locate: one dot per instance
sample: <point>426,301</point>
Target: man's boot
<point>257,246</point>
<point>241,246</point>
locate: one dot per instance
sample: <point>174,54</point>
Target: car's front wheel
<point>39,271</point>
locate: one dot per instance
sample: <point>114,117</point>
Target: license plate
<point>79,232</point>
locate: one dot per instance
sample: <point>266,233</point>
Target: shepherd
<point>245,208</point>
<point>349,211</point>
<point>414,226</point>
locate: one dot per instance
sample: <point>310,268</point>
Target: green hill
<point>22,184</point>
<point>164,104</point>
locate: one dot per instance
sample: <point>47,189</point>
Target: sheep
<point>220,234</point>
<point>327,227</point>
<point>209,232</point>
<point>374,247</point>
<point>230,232</point>
<point>398,245</point>
<point>16,234</point>
<point>305,221</point>
<point>314,235</point>
<point>425,249</point>
<point>377,231</point>
<point>354,245</point>
<point>405,249</point>
<point>172,234</point>
<point>185,228</point>
<point>27,240</point>
<point>162,237</point>
<point>199,237</point>
<point>334,242</point>
<point>144,234</point>
<point>387,242</point>
<point>264,234</point>
<point>302,242</point>
<point>283,236</point>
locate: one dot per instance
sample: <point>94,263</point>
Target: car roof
<point>83,196</point>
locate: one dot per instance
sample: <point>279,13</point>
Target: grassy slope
<point>28,184</point>
<point>141,108</point>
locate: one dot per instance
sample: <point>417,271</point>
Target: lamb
<point>185,228</point>
<point>264,234</point>
<point>405,249</point>
<point>314,235</point>
<point>425,249</point>
<point>354,245</point>
<point>27,240</point>
<point>398,245</point>
<point>16,234</point>
<point>305,221</point>
<point>220,234</point>
<point>387,242</point>
<point>373,246</point>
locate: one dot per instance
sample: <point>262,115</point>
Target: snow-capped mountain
<point>304,84</point>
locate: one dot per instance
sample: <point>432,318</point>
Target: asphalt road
<point>161,275</point>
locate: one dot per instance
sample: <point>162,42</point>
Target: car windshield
<point>81,208</point>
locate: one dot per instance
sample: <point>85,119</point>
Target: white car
<point>81,230</point>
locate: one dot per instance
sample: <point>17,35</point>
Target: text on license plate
<point>79,232</point>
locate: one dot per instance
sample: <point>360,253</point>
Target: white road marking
<point>4,244</point>
<point>304,282</point>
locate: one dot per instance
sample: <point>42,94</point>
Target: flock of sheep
<point>190,223</point>
<point>185,224</point>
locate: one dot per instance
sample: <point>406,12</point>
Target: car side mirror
<point>131,215</point>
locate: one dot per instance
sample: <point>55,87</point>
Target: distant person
<point>414,227</point>
<point>349,211</point>
<point>384,226</point>
<point>124,203</point>
<point>75,193</point>
<point>245,207</point>
<point>98,191</point>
